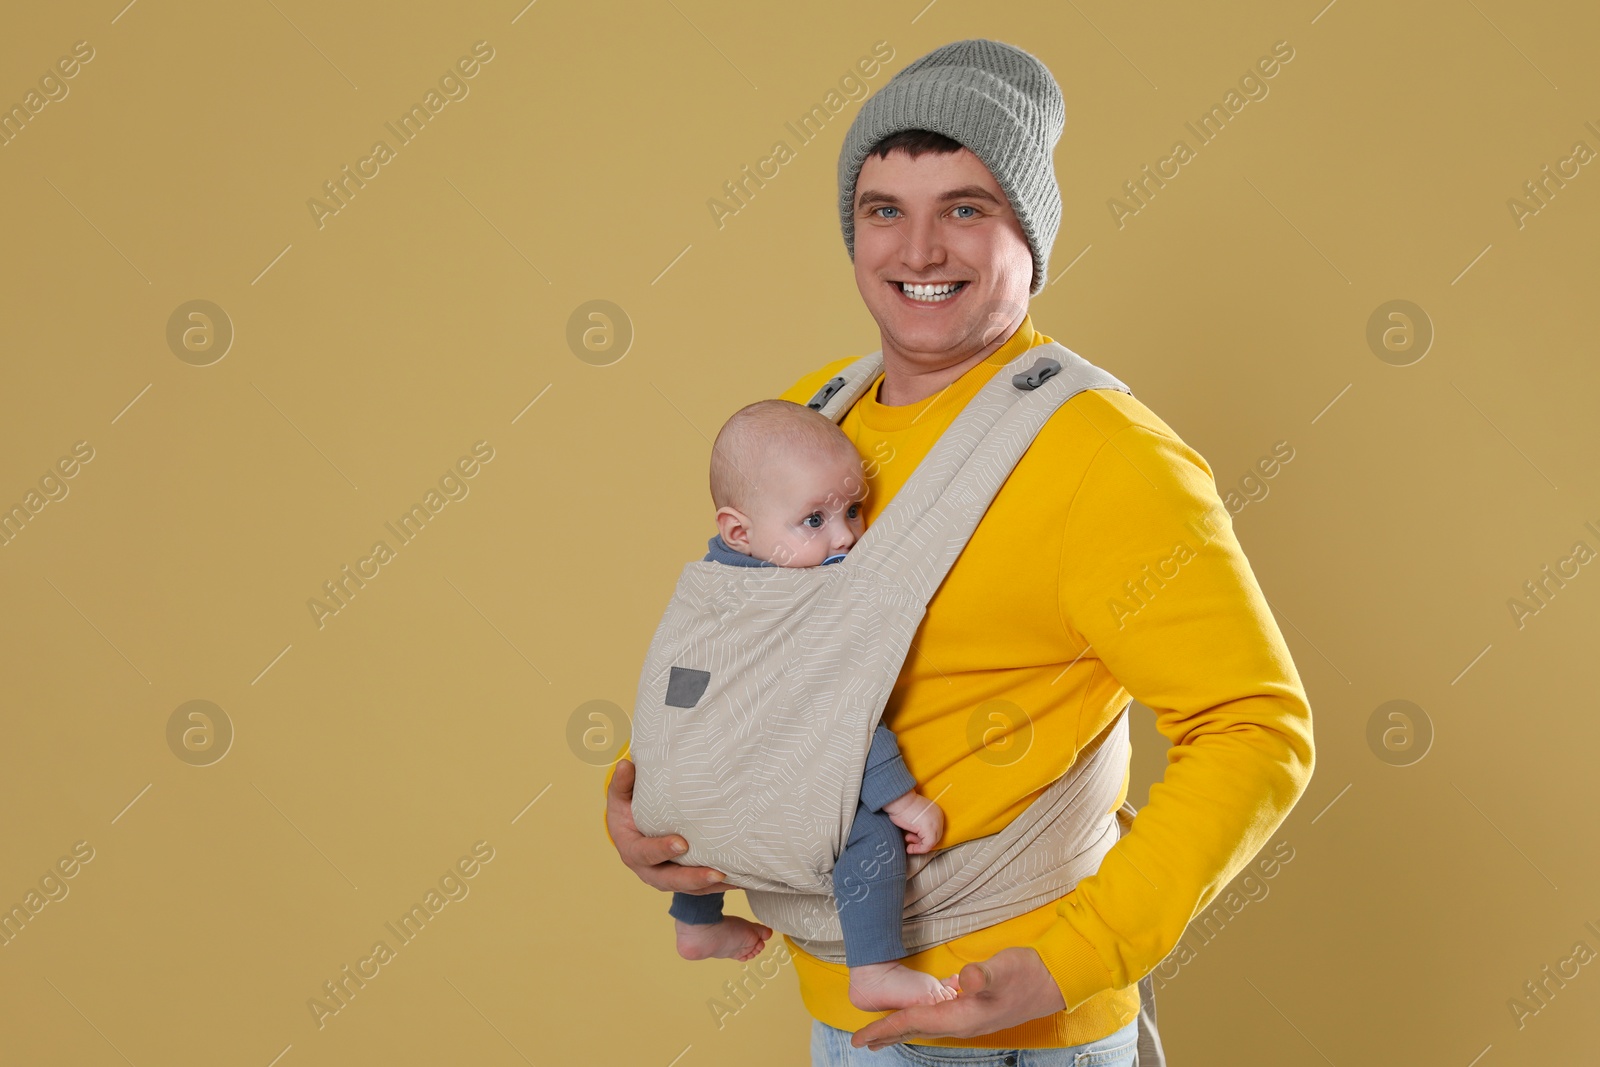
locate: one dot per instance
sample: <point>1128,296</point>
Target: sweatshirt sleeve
<point>887,777</point>
<point>1153,578</point>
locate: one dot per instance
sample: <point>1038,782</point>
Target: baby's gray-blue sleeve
<point>886,777</point>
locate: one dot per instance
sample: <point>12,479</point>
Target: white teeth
<point>930,293</point>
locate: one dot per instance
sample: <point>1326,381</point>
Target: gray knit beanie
<point>1000,103</point>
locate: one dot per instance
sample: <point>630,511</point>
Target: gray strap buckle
<point>833,385</point>
<point>1041,371</point>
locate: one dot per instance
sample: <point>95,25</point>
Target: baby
<point>786,483</point>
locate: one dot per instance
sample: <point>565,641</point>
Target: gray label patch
<point>686,686</point>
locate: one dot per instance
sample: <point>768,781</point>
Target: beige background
<point>428,314</point>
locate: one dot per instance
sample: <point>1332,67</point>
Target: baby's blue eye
<point>855,510</point>
<point>814,515</point>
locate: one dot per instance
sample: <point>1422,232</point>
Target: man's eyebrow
<point>878,198</point>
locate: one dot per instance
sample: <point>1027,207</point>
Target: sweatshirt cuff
<point>1073,963</point>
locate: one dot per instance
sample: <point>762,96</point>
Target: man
<point>1105,568</point>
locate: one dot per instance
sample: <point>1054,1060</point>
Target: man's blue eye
<point>884,208</point>
<point>966,207</point>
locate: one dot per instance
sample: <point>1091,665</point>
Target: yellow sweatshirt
<point>1106,568</point>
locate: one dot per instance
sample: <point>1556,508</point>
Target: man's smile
<point>929,292</point>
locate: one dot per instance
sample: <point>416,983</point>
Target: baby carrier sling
<point>763,685</point>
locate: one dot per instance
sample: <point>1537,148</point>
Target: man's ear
<point>734,527</point>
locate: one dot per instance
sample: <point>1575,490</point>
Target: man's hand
<point>1007,989</point>
<point>651,857</point>
<point>921,818</point>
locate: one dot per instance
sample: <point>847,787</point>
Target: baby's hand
<point>920,817</point>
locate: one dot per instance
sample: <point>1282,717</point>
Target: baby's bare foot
<point>731,939</point>
<point>891,986</point>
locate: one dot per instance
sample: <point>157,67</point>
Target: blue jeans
<point>832,1048</point>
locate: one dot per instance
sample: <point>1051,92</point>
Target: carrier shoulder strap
<point>919,536</point>
<point>839,393</point>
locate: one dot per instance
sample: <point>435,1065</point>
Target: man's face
<point>939,218</point>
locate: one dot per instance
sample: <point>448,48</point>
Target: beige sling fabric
<point>763,685</point>
<point>1038,857</point>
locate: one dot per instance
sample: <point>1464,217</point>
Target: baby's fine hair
<point>761,433</point>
